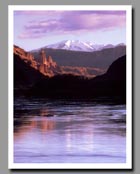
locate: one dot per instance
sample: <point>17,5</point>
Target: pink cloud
<point>72,21</point>
<point>36,12</point>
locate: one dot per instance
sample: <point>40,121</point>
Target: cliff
<point>24,74</point>
<point>111,84</point>
<point>48,67</point>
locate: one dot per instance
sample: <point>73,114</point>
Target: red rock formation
<point>48,67</point>
<point>26,57</point>
<point>50,62</point>
<point>89,72</point>
<point>43,57</point>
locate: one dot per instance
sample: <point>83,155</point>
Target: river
<point>59,131</point>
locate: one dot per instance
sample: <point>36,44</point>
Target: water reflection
<point>86,139</point>
<point>27,123</point>
<point>47,131</point>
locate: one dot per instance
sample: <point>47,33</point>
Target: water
<point>48,131</point>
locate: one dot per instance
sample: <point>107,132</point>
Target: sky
<point>35,29</point>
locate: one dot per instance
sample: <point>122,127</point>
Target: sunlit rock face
<point>48,67</point>
<point>88,72</point>
<point>26,57</point>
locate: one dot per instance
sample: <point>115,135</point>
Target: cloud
<point>36,12</point>
<point>54,12</point>
<point>93,20</point>
<point>28,35</point>
<point>65,22</point>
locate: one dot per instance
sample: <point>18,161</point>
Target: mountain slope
<point>76,45</point>
<point>97,59</point>
<point>25,75</point>
<point>48,67</point>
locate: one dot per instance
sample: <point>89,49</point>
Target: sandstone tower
<point>43,57</point>
<point>47,65</point>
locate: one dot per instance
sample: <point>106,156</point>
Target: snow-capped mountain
<point>77,45</point>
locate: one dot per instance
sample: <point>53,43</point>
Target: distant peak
<point>77,45</point>
<point>121,44</point>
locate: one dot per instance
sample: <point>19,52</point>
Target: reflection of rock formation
<point>27,123</point>
<point>42,124</point>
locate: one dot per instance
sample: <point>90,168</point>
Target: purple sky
<point>34,29</point>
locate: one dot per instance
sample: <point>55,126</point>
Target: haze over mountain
<point>76,45</point>
<point>100,59</point>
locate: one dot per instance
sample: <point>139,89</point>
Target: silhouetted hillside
<point>111,84</point>
<point>118,69</point>
<point>25,75</point>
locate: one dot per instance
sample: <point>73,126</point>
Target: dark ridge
<point>24,75</point>
<point>112,84</point>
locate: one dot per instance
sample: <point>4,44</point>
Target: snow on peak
<point>68,43</point>
<point>77,45</point>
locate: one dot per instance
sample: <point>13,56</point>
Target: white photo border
<point>128,164</point>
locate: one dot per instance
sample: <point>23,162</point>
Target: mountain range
<point>47,79</point>
<point>48,67</point>
<point>76,45</point>
<point>100,59</point>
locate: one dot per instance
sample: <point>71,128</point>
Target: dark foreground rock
<point>25,76</point>
<point>112,85</point>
